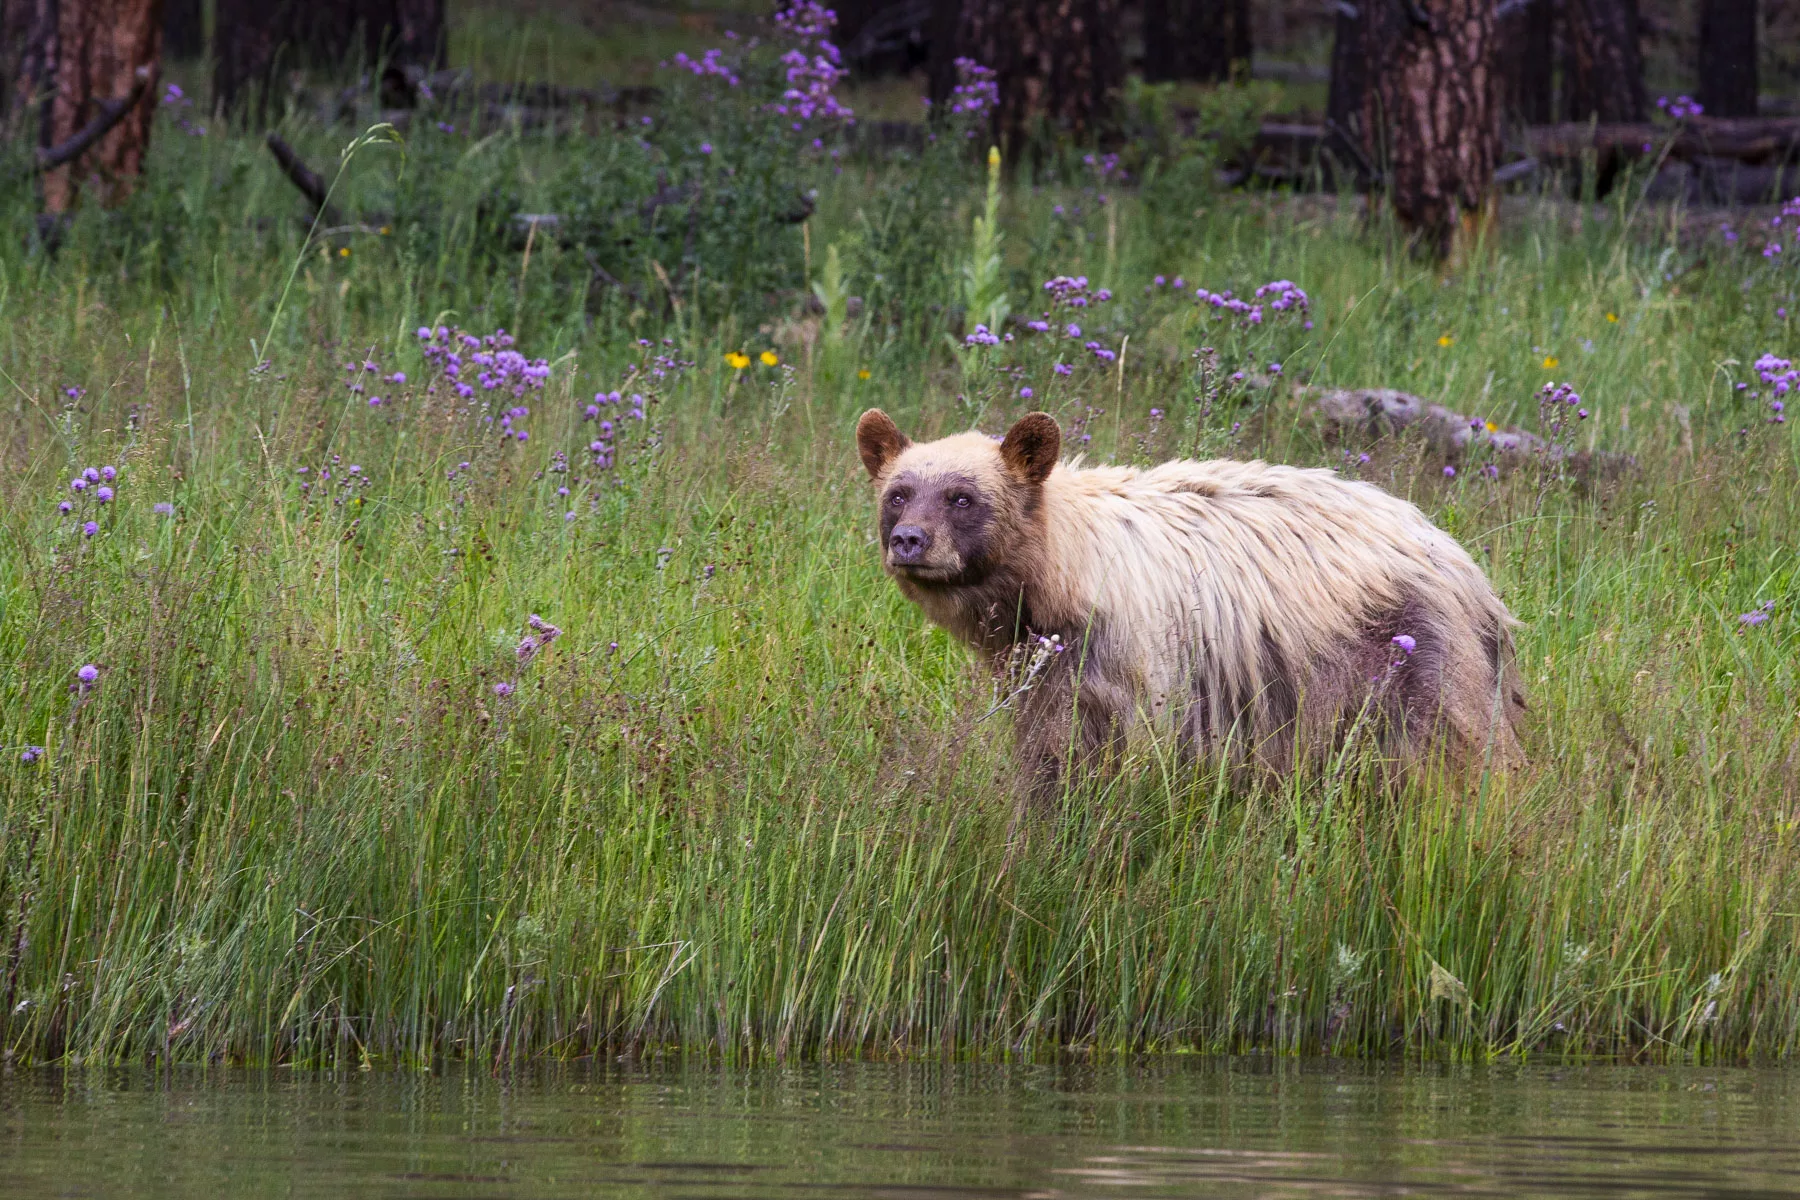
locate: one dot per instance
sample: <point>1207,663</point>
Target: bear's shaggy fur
<point>1251,609</point>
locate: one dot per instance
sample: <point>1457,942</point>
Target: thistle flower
<point>503,689</point>
<point>163,508</point>
<point>91,528</point>
<point>31,754</point>
<point>1405,642</point>
<point>103,494</point>
<point>1757,615</point>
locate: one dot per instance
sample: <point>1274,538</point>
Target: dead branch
<point>110,113</point>
<point>311,185</point>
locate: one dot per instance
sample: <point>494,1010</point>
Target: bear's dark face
<point>954,511</point>
<point>937,528</point>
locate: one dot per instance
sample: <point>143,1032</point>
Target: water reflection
<point>1164,1128</point>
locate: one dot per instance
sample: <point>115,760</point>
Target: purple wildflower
<point>1757,615</point>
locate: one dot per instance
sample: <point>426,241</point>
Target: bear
<point>1260,613</point>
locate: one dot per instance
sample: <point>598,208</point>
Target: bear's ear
<point>878,440</point>
<point>1031,446</point>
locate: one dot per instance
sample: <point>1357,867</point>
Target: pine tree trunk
<point>1237,34</point>
<point>1056,60</point>
<point>1366,30</point>
<point>1437,89</point>
<point>184,29</point>
<point>1526,57</point>
<point>28,60</point>
<point>1603,66</point>
<point>1728,57</point>
<point>1186,39</point>
<point>100,44</point>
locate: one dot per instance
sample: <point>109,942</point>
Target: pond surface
<point>1163,1127</point>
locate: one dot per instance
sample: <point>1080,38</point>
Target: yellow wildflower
<point>1491,427</point>
<point>993,156</point>
<point>769,358</point>
<point>1551,362</point>
<point>343,252</point>
<point>1446,340</point>
<point>1613,317</point>
<point>738,360</point>
<point>863,374</point>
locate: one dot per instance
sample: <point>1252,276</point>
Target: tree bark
<point>1055,60</point>
<point>1237,33</point>
<point>1437,89</point>
<point>1603,66</point>
<point>1355,122</point>
<point>1187,39</point>
<point>1526,58</point>
<point>100,44</point>
<point>256,39</point>
<point>184,29</point>
<point>27,66</point>
<point>1728,57</point>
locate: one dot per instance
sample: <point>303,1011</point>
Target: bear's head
<point>956,510</point>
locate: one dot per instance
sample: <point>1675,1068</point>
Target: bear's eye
<point>898,500</point>
<point>961,501</point>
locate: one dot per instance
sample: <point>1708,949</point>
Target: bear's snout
<point>908,544</point>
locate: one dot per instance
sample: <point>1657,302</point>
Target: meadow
<point>446,637</point>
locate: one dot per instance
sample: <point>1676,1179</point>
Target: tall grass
<point>749,801</point>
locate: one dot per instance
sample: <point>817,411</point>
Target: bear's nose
<point>908,543</point>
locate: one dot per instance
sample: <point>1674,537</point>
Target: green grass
<point>749,801</point>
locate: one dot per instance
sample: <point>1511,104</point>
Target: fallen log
<point>1756,149</point>
<point>1370,414</point>
<point>1755,141</point>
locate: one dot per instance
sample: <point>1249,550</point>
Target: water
<point>1171,1127</point>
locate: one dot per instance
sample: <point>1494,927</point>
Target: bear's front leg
<point>1070,728</point>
